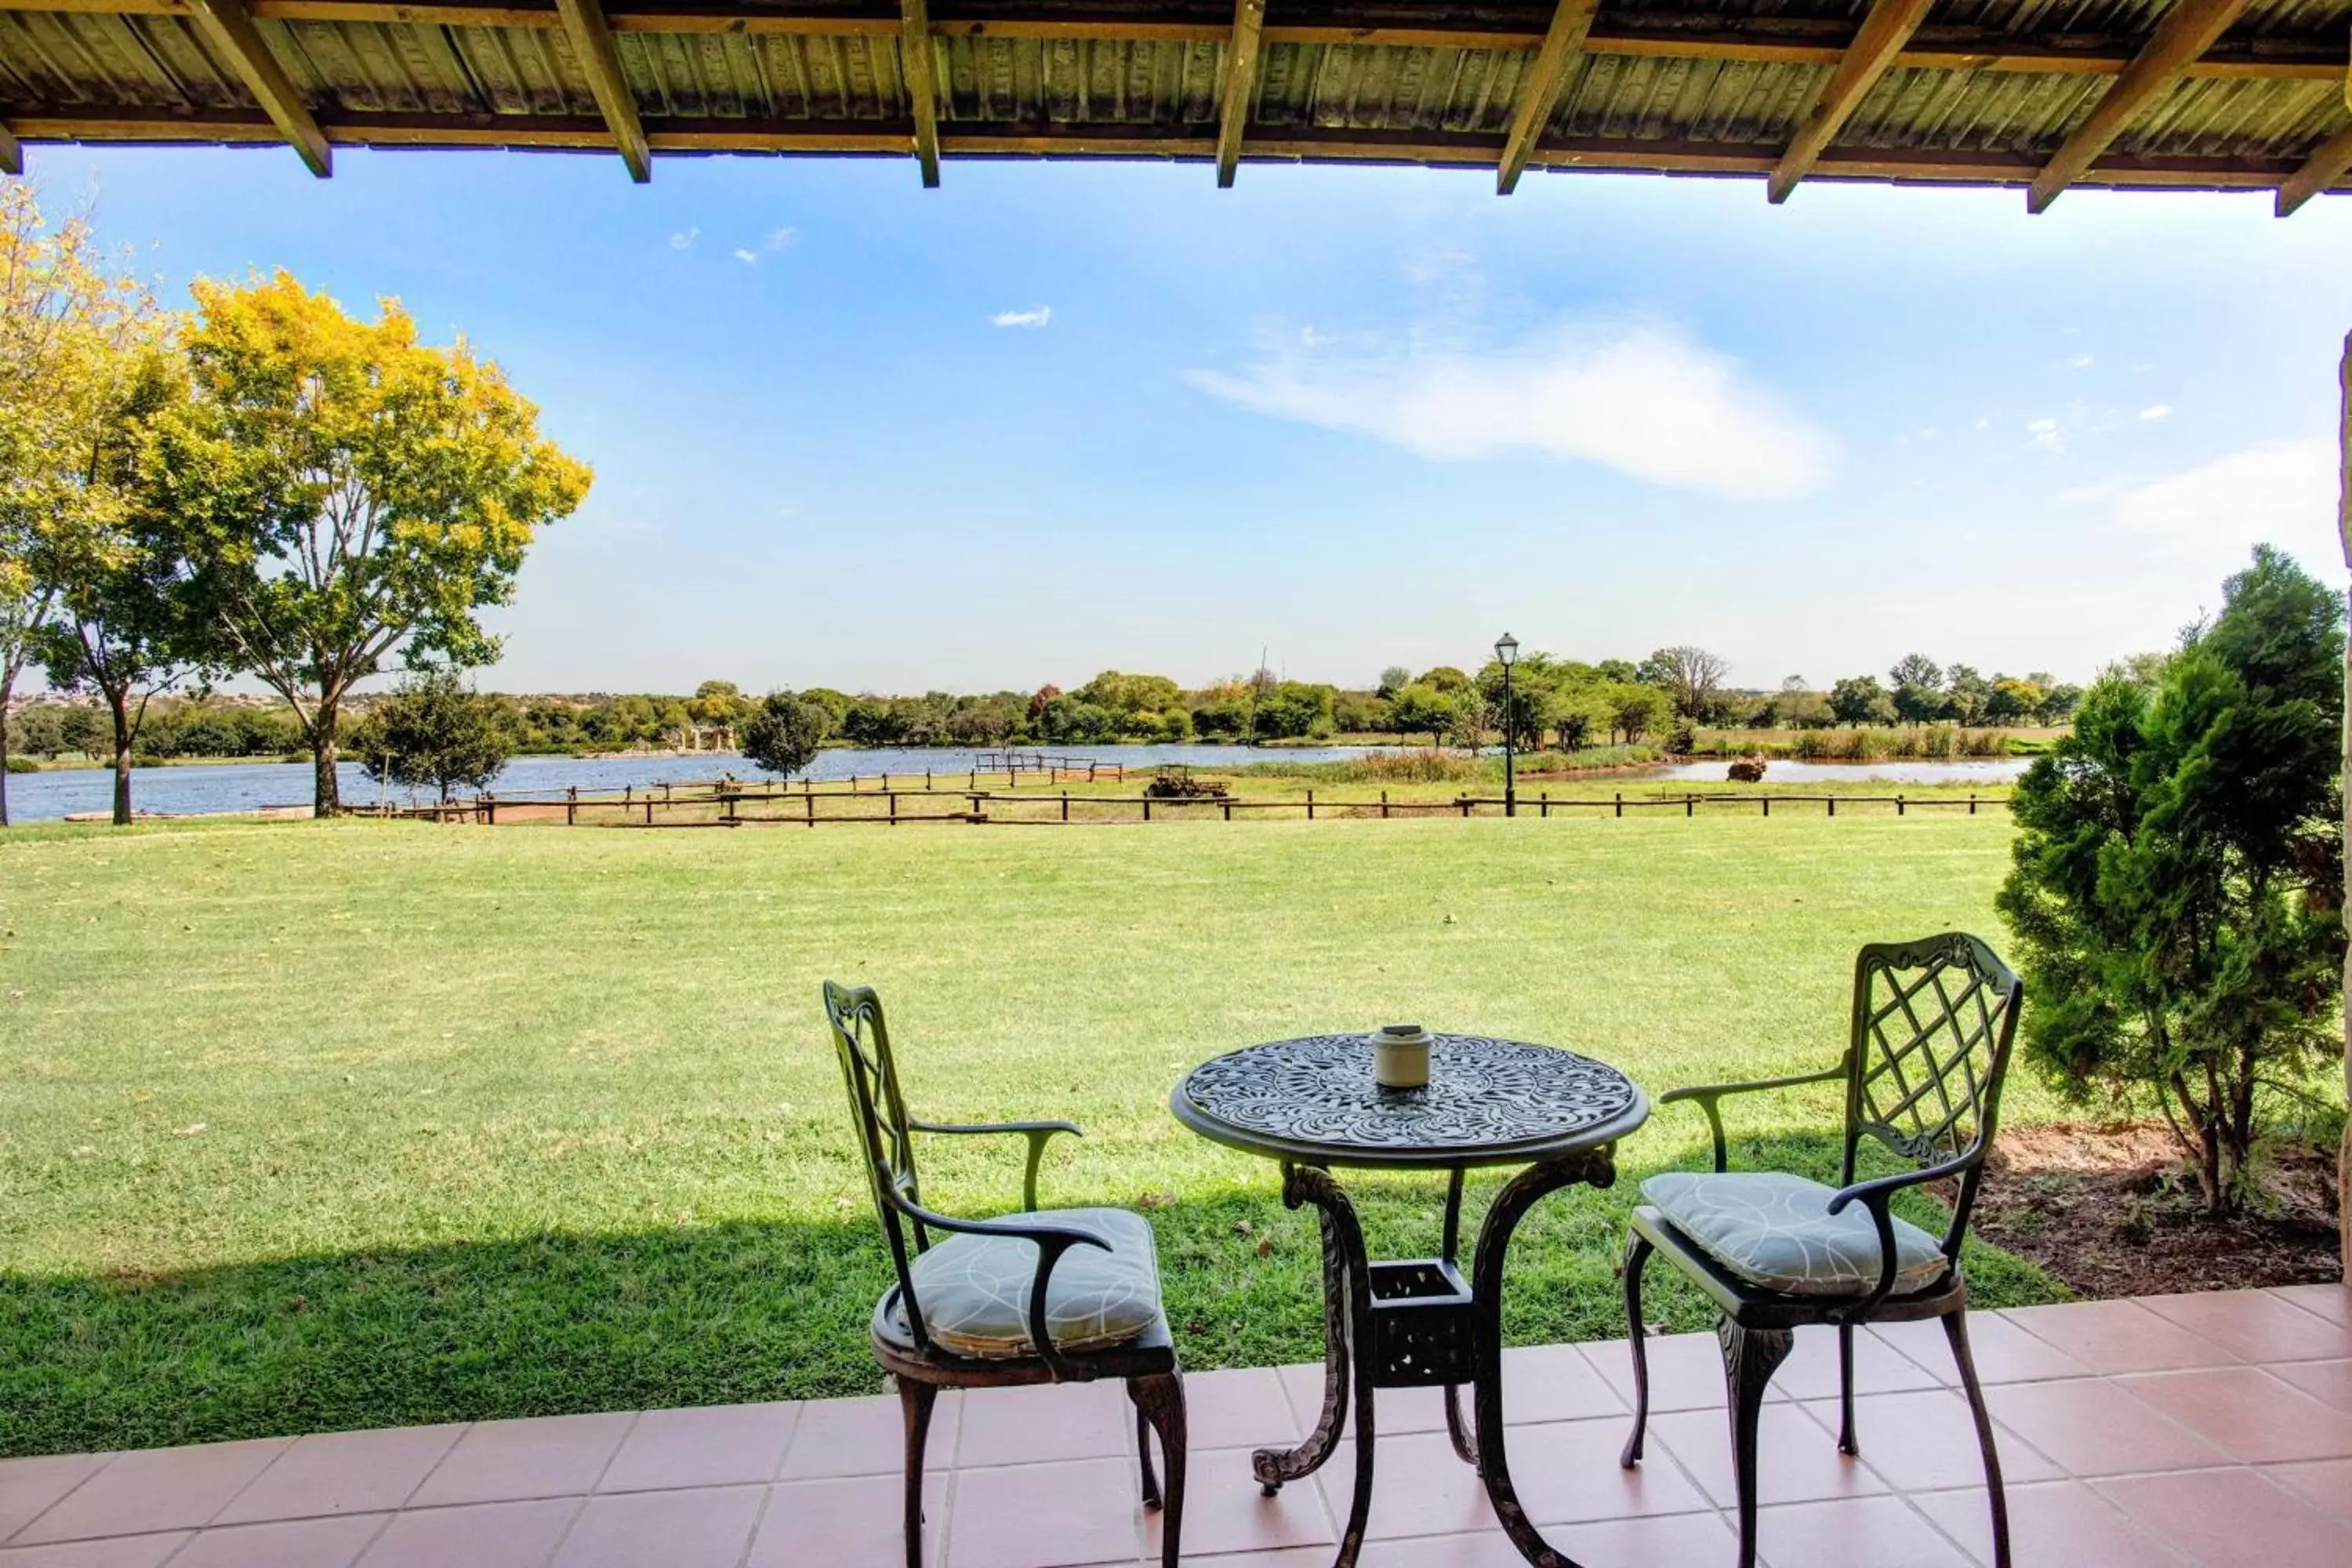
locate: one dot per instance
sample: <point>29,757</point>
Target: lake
<point>1893,770</point>
<point>248,786</point>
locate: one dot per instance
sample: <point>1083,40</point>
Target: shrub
<point>783,736</point>
<point>23,765</point>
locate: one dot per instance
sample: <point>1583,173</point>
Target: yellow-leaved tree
<point>343,493</point>
<point>86,585</point>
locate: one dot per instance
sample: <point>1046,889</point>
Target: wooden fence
<point>729,804</point>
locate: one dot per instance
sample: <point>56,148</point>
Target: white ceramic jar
<point>1400,1056</point>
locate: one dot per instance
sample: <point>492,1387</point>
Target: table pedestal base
<point>1418,1324</point>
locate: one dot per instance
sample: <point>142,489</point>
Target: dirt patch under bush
<point>2113,1210</point>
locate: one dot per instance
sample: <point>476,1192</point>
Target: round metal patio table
<point>1313,1105</point>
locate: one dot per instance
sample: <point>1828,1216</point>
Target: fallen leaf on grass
<point>190,1131</point>
<point>1155,1200</point>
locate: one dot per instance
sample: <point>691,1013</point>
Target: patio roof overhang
<point>2197,94</point>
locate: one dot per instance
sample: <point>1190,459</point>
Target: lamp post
<point>1507,652</point>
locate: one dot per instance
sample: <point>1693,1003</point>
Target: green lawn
<point>327,1125</point>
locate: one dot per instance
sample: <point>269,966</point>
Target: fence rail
<point>729,804</point>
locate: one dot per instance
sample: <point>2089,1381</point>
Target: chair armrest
<point>1051,1241</point>
<point>1877,1194</point>
<point>1037,1133</point>
<point>1706,1095</point>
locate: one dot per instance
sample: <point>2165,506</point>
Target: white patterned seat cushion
<point>974,1290</point>
<point>1775,1230</point>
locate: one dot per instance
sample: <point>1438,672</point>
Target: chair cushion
<point>1775,1230</point>
<point>974,1290</point>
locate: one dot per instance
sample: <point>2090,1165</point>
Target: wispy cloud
<point>2282,492</point>
<point>746,257</point>
<point>2044,435</point>
<point>1640,399</point>
<point>2154,412</point>
<point>1037,318</point>
<point>2081,362</point>
<point>779,238</point>
<point>684,238</point>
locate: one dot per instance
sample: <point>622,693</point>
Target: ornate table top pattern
<point>1489,1102</point>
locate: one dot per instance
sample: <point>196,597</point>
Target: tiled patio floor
<point>2213,1430</point>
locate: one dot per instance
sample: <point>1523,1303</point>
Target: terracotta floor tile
<point>123,1551</point>
<point>2326,1482</point>
<point>1052,1421</point>
<point>2328,1382</point>
<point>1419,1487</point>
<point>1811,1370</point>
<point>160,1489</point>
<point>1924,1440</point>
<point>2255,1325</point>
<point>1686,1370</point>
<point>2246,1413</point>
<point>1856,1533</point>
<point>1395,1410</point>
<point>846,1521</point>
<point>1242,1409</point>
<point>1225,1510</point>
<point>2118,1336</point>
<point>2060,1524</point>
<point>2094,1427</point>
<point>503,1461</point>
<point>29,1487</point>
<point>1044,1516</point>
<point>865,1438</point>
<point>291,1544</point>
<point>705,1527</point>
<point>1566,1471</point>
<point>2232,1518</point>
<point>1551,1382</point>
<point>2333,1302</point>
<point>713,1445</point>
<point>487,1535</point>
<point>1796,1460</point>
<point>343,1472</point>
<point>1662,1541</point>
<point>2003,1352</point>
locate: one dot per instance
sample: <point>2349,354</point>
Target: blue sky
<point>1054,418</point>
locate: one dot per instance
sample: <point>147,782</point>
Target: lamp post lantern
<point>1506,651</point>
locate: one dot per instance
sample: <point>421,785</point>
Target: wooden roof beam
<point>2322,171</point>
<point>600,61</point>
<point>2188,30</point>
<point>1884,33</point>
<point>1563,43</point>
<point>228,26</point>
<point>12,153</point>
<point>1242,56</point>
<point>920,64</point>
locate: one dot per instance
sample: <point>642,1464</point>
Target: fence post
<point>1066,806</point>
<point>1972,802</point>
<point>1146,808</point>
<point>1620,803</point>
<point>572,805</point>
<point>1833,800</point>
<point>926,781</point>
<point>1384,808</point>
<point>808,805</point>
<point>1228,805</point>
<point>1464,800</point>
<point>1690,806</point>
<point>727,807</point>
<point>492,802</point>
<point>973,782</point>
<point>1899,805</point>
<point>1543,804</point>
<point>894,807</point>
<point>1310,805</point>
<point>1090,772</point>
<point>649,811</point>
<point>1768,805</point>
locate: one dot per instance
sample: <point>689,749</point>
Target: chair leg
<point>915,1402</point>
<point>1750,1356</point>
<point>1637,1254</point>
<point>1143,1455</point>
<point>1160,1399</point>
<point>1956,1330</point>
<point>1846,1443</point>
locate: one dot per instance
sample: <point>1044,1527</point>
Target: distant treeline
<point>1562,703</point>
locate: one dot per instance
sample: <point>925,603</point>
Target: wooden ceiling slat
<point>1241,85</point>
<point>2188,30</point>
<point>2323,170</point>
<point>1884,33</point>
<point>228,28</point>
<point>1562,46</point>
<point>591,44</point>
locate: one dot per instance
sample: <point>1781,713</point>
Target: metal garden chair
<point>1932,1025</point>
<point>1050,1295</point>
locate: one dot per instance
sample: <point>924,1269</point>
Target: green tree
<point>1636,709</point>
<point>1918,683</point>
<point>1393,680</point>
<point>2012,701</point>
<point>435,733</point>
<point>1968,696</point>
<point>784,735</point>
<point>1690,676</point>
<point>344,492</point>
<point>1420,707</point>
<point>2179,870</point>
<point>1859,700</point>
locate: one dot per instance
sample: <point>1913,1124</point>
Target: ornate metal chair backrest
<point>1932,1024</point>
<point>862,1037</point>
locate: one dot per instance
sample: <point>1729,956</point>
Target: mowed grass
<point>313,1126</point>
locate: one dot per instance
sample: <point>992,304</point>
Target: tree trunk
<point>327,800</point>
<point>7,689</point>
<point>118,703</point>
<point>2344,527</point>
